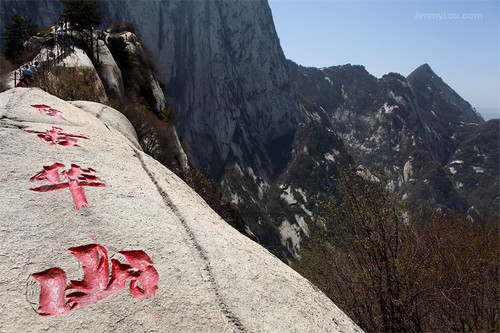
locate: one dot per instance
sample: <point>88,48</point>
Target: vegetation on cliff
<point>367,255</point>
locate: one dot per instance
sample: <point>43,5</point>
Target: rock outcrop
<point>109,72</point>
<point>77,180</point>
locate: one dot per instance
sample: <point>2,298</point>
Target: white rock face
<point>211,278</point>
<point>110,117</point>
<point>109,72</point>
<point>158,93</point>
<point>223,65</point>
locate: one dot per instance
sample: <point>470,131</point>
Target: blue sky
<point>458,39</point>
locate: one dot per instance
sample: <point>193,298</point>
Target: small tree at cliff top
<point>16,32</point>
<point>82,15</point>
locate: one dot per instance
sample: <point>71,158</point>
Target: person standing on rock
<point>26,73</point>
<point>34,69</point>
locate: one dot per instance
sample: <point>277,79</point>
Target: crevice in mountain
<point>279,150</point>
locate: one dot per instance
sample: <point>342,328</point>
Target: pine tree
<point>16,32</point>
<point>82,15</point>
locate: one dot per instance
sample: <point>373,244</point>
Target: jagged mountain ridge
<point>386,126</point>
<point>443,111</point>
<point>248,115</point>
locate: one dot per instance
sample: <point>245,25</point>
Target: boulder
<point>95,198</point>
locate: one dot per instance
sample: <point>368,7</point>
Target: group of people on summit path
<point>28,72</point>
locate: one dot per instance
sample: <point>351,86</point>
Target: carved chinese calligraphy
<point>47,110</point>
<point>97,283</point>
<point>76,178</point>
<point>57,296</point>
<point>56,136</point>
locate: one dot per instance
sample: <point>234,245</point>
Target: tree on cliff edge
<point>82,15</point>
<point>16,32</point>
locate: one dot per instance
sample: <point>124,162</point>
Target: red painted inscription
<point>47,110</point>
<point>75,179</point>
<point>99,281</point>
<point>56,136</point>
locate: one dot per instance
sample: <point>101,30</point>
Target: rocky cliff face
<point>43,12</point>
<point>222,63</point>
<point>223,66</point>
<point>444,112</point>
<point>473,167</point>
<point>391,126</point>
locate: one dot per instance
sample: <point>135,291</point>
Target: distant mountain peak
<point>436,97</point>
<point>422,71</point>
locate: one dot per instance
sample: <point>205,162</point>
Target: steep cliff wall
<point>222,63</point>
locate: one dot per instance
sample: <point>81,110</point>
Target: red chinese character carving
<point>147,274</point>
<point>56,136</point>
<point>53,283</point>
<point>47,110</point>
<point>76,178</point>
<point>96,283</point>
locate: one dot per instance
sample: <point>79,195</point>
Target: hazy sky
<point>458,39</point>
